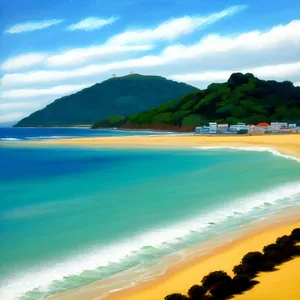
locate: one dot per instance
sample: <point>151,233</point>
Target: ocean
<point>41,133</point>
<point>73,216</point>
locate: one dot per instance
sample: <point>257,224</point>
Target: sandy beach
<point>281,284</point>
<point>285,144</point>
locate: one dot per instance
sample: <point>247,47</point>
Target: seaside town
<point>242,128</point>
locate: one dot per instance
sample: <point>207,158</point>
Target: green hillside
<point>116,96</point>
<point>243,98</point>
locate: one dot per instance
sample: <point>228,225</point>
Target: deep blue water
<point>10,134</point>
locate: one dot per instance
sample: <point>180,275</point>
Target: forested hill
<point>116,96</point>
<point>243,98</point>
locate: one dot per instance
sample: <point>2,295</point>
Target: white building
<point>279,125</point>
<point>213,127</point>
<point>198,130</point>
<point>239,126</point>
<point>285,130</point>
<point>292,125</point>
<point>223,128</point>
<point>202,130</point>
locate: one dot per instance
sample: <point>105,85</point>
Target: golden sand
<point>286,144</point>
<point>281,284</point>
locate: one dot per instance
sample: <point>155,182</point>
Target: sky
<point>49,49</point>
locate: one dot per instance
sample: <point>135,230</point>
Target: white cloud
<point>82,55</point>
<point>282,36</point>
<point>90,24</point>
<point>55,91</point>
<point>172,29</point>
<point>297,84</point>
<point>70,58</point>
<point>31,26</point>
<point>275,71</point>
<point>36,77</point>
<point>19,105</point>
<point>23,61</point>
<point>117,44</point>
<point>14,116</point>
<point>279,45</point>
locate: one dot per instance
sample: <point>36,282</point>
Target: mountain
<point>243,98</point>
<point>115,96</point>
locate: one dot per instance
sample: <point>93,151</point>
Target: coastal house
<point>222,128</point>
<point>263,127</point>
<point>286,130</point>
<point>205,129</point>
<point>276,126</point>
<point>238,127</point>
<point>198,130</point>
<point>280,124</point>
<point>202,130</point>
<point>213,127</point>
<point>260,127</point>
<point>292,125</point>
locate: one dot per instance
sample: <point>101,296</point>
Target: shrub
<point>287,245</point>
<point>285,240</point>
<point>276,256</point>
<point>221,290</point>
<point>268,266</point>
<point>213,278</point>
<point>283,250</point>
<point>192,120</point>
<point>295,235</point>
<point>297,250</point>
<point>164,118</point>
<point>245,270</point>
<point>176,296</point>
<point>271,247</point>
<point>241,284</point>
<point>196,292</point>
<point>254,259</point>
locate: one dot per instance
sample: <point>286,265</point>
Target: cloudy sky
<point>49,49</point>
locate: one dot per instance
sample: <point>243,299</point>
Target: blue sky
<point>53,48</point>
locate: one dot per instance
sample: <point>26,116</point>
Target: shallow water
<point>70,217</point>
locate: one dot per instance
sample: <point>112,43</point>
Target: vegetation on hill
<point>218,285</point>
<point>115,96</point>
<point>243,98</point>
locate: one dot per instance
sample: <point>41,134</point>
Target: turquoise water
<point>69,217</point>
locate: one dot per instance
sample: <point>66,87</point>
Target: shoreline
<point>179,277</point>
<point>284,144</point>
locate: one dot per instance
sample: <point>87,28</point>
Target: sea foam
<point>9,139</point>
<point>250,148</point>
